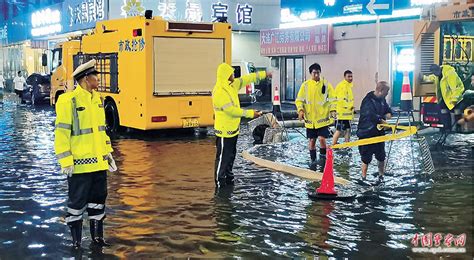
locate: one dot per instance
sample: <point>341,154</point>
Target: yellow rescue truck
<point>155,74</point>
<point>444,36</point>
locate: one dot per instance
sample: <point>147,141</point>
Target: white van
<point>242,68</point>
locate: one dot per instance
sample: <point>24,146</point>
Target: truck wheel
<point>111,118</point>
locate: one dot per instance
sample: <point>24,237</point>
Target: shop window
<point>107,65</point>
<point>293,78</point>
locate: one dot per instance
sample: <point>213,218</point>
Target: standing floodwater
<point>162,201</point>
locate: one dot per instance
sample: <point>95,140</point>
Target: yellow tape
<point>409,130</point>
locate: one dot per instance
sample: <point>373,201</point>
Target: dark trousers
<point>87,191</point>
<point>225,156</point>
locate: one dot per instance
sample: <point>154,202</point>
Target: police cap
<point>85,69</point>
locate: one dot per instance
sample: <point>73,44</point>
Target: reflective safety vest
<point>344,101</point>
<point>80,137</point>
<point>316,99</point>
<point>451,86</point>
<point>225,99</point>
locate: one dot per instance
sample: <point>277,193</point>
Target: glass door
<point>294,77</point>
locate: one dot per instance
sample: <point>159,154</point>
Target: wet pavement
<point>162,201</point>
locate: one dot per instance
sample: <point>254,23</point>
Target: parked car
<point>38,88</point>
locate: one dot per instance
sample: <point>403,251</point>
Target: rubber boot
<point>76,234</point>
<point>97,233</point>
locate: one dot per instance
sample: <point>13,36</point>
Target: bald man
<point>373,110</point>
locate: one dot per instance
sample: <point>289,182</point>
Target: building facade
<point>25,35</point>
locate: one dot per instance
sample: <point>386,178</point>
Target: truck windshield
<point>56,59</point>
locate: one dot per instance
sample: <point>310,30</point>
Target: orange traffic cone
<point>327,184</point>
<point>406,99</point>
<point>276,101</point>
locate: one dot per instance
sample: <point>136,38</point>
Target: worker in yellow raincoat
<point>344,107</point>
<point>316,106</point>
<point>449,91</point>
<point>228,113</point>
<point>83,150</point>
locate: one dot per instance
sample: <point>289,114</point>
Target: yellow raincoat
<point>451,86</point>
<point>315,103</point>
<point>225,100</point>
<point>80,137</point>
<point>344,101</point>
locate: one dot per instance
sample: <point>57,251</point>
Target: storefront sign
<point>46,22</point>
<point>241,14</point>
<point>298,41</point>
<point>83,14</point>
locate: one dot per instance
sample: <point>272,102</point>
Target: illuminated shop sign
<point>86,11</point>
<point>46,22</point>
<point>298,41</point>
<point>192,10</point>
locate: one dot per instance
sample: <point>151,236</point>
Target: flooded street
<point>162,201</point>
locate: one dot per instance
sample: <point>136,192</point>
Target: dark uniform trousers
<point>87,191</point>
<point>225,156</point>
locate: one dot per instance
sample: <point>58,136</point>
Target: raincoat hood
<point>446,69</point>
<point>223,73</point>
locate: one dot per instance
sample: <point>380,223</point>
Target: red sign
<point>297,41</point>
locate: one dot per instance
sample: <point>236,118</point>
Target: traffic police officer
<point>315,104</point>
<point>228,113</point>
<point>84,153</point>
<point>344,107</point>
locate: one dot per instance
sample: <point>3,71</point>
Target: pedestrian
<point>316,106</point>
<point>449,92</point>
<point>344,107</point>
<point>373,110</point>
<point>19,82</point>
<point>84,153</point>
<point>228,113</point>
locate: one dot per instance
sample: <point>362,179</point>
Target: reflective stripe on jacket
<point>344,101</point>
<point>451,86</point>
<point>80,137</point>
<point>225,99</point>
<point>316,99</point>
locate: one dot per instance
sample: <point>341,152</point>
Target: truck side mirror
<point>44,60</point>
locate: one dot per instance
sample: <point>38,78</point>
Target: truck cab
<point>443,39</point>
<point>62,67</point>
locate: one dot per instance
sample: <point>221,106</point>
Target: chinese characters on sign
<point>219,11</point>
<point>131,45</point>
<point>193,11</point>
<point>46,22</point>
<point>464,14</point>
<point>243,12</point>
<point>167,9</point>
<point>87,11</point>
<point>311,40</point>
